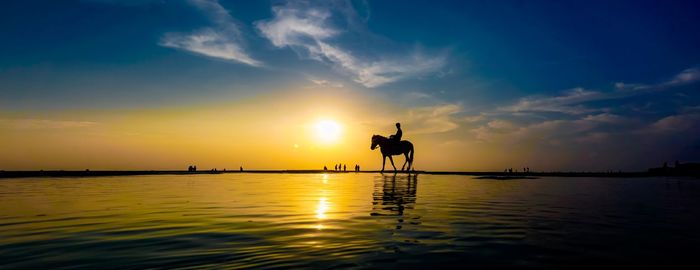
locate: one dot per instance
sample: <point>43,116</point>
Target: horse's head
<point>375,141</point>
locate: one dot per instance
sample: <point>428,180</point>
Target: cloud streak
<point>223,41</point>
<point>325,83</point>
<point>309,32</point>
<point>685,77</point>
<point>569,102</point>
<point>573,101</point>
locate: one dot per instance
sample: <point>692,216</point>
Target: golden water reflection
<point>333,220</point>
<point>322,208</point>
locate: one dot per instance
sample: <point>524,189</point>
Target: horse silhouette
<point>390,148</point>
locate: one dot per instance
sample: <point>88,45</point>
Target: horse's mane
<point>380,136</point>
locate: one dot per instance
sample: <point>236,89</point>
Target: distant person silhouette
<point>345,168</point>
<point>241,168</point>
<point>399,133</point>
<point>335,168</point>
<point>324,168</point>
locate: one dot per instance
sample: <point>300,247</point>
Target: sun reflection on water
<point>322,208</point>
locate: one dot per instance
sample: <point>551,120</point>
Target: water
<point>346,220</point>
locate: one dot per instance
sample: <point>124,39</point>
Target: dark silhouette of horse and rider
<point>394,146</point>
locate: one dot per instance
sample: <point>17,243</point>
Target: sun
<point>328,131</point>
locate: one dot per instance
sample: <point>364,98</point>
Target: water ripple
<point>345,221</point>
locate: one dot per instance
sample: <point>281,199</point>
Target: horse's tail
<point>410,163</point>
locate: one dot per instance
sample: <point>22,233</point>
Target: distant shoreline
<point>63,173</point>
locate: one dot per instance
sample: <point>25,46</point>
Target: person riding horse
<point>394,146</point>
<point>397,137</point>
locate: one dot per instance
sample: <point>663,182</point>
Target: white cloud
<point>309,32</point>
<point>292,26</point>
<point>685,77</point>
<point>222,41</point>
<point>210,43</point>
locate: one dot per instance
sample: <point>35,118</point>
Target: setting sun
<point>327,131</point>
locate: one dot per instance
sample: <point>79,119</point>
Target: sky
<point>477,86</point>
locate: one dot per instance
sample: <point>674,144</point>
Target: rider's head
<point>398,125</point>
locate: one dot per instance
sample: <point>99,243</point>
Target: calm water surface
<point>346,220</point>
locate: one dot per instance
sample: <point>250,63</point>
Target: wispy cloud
<point>569,102</point>
<point>430,119</point>
<point>222,41</point>
<point>676,123</point>
<point>309,32</point>
<point>573,101</point>
<point>325,83</point>
<point>687,76</point>
<point>433,119</point>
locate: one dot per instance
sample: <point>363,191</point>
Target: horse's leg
<point>404,163</point>
<point>392,162</point>
<point>383,162</point>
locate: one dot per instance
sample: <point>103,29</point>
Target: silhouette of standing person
<point>324,168</point>
<point>335,168</point>
<point>399,133</point>
<point>241,168</point>
<point>344,167</point>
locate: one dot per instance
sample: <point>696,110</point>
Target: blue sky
<point>587,74</point>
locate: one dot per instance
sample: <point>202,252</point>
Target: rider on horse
<point>397,136</point>
<point>394,146</point>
